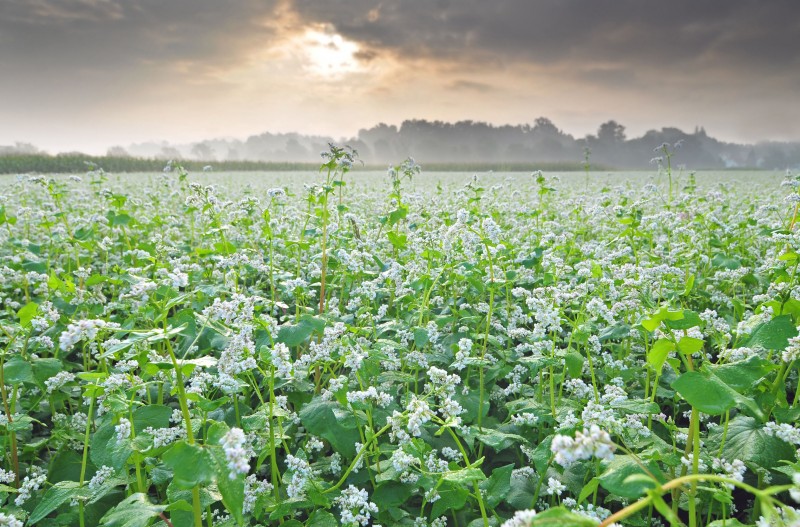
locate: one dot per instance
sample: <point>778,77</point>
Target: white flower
<point>6,520</point>
<point>123,429</point>
<point>520,519</point>
<point>588,443</point>
<point>555,487</point>
<point>355,505</point>
<point>236,455</point>
<point>102,474</point>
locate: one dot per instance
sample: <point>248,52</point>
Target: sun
<point>328,54</point>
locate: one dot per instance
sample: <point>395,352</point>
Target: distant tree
<point>611,132</point>
<point>544,126</point>
<point>169,152</point>
<point>117,151</point>
<point>19,148</point>
<point>203,151</point>
<point>295,151</point>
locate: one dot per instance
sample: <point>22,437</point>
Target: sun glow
<point>328,54</point>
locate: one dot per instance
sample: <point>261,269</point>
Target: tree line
<point>539,144</point>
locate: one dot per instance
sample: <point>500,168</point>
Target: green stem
<point>358,457</point>
<point>85,458</point>
<point>198,513</point>
<point>692,478</point>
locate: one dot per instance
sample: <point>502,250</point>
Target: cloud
<point>467,85</point>
<point>737,32</point>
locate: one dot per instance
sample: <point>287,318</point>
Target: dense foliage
<point>485,351</point>
<point>15,163</point>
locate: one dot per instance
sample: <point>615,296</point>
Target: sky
<point>89,74</point>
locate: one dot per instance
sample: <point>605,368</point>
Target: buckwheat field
<point>425,349</point>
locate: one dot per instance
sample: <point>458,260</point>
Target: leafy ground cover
<point>498,350</point>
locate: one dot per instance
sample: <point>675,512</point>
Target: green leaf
<point>464,476</point>
<point>26,313</point>
<point>295,334</point>
<point>574,362</point>
<point>498,485</point>
<point>321,518</point>
<point>232,490</point>
<point>773,335</point>
<point>745,374</point>
<point>709,394</point>
<point>134,511</point>
<point>17,370</point>
<point>747,440</point>
<point>500,440</point>
<point>191,464</point>
<point>318,418</point>
<point>398,240</point>
<point>106,450</point>
<point>636,406</point>
<point>561,517</point>
<point>615,477</point>
<point>420,337</point>
<point>690,319</point>
<point>156,416</point>
<point>451,497</point>
<point>663,314</point>
<point>588,489</point>
<point>704,393</point>
<point>43,369</point>
<point>391,493</point>
<point>726,262</point>
<point>689,345</point>
<point>658,353</point>
<point>55,496</point>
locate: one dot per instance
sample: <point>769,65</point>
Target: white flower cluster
<point>233,443</point>
<point>555,487</point>
<point>419,413</point>
<point>403,463</point>
<point>792,351</point>
<point>734,469</point>
<point>58,380</point>
<point>783,431</point>
<point>355,505</point>
<point>102,474</point>
<point>253,489</point>
<point>165,436</point>
<point>6,520</point>
<point>83,330</point>
<point>32,482</point>
<point>586,444</point>
<point>464,348</point>
<point>282,360</point>
<point>301,473</point>
<point>520,519</point>
<point>6,476</point>
<point>370,395</point>
<point>123,429</point>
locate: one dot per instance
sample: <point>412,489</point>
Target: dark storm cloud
<point>647,34</point>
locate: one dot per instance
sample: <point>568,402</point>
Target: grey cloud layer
<point>113,33</point>
<point>108,35</point>
<point>647,33</point>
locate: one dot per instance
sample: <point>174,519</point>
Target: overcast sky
<point>89,74</point>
